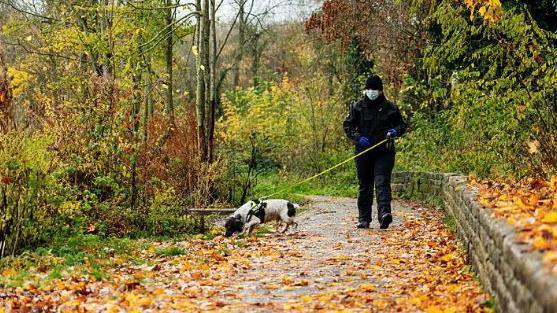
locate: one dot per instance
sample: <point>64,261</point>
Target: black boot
<point>363,225</point>
<point>386,220</point>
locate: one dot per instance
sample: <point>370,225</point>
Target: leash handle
<point>325,171</point>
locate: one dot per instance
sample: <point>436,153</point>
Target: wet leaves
<point>416,265</point>
<point>531,207</point>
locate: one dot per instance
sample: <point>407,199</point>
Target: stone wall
<point>515,276</point>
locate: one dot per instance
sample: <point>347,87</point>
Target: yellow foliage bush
<point>293,127</point>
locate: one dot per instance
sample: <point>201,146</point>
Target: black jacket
<point>373,119</point>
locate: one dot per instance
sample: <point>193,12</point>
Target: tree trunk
<point>5,224</point>
<point>200,85</point>
<point>213,85</point>
<point>148,101</point>
<point>105,27</point>
<point>147,71</point>
<point>7,118</point>
<point>241,42</point>
<point>205,59</point>
<point>256,54</point>
<point>169,61</point>
<point>136,109</point>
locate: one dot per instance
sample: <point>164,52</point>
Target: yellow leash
<point>325,171</point>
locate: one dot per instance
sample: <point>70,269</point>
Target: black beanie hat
<point>374,82</point>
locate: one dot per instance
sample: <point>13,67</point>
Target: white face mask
<point>371,94</point>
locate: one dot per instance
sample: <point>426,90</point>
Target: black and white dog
<point>251,214</point>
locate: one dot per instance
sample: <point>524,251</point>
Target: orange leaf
<point>541,244</point>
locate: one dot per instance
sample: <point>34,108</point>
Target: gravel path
<point>325,265</point>
<point>329,264</point>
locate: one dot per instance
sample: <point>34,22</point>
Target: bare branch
<point>228,33</point>
<point>168,28</point>
<point>34,14</point>
<point>33,50</point>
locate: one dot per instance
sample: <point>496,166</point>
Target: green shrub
<point>482,97</point>
<point>26,184</point>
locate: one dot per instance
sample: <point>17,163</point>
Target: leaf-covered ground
<point>416,265</point>
<point>531,207</point>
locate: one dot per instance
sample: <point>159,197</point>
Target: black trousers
<point>374,169</point>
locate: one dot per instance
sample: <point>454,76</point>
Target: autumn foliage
<point>490,10</point>
<point>90,142</point>
<point>384,29</point>
<point>531,207</point>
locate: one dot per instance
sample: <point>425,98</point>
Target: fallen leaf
<point>533,146</point>
<point>550,218</point>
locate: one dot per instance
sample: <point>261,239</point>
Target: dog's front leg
<point>245,229</point>
<point>278,224</point>
<point>250,226</point>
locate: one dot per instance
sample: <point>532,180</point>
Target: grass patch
<point>262,229</point>
<point>88,254</point>
<point>450,223</point>
<point>55,274</point>
<point>170,251</point>
<point>341,184</point>
<point>490,304</point>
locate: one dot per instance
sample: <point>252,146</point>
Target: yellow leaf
<point>366,287</point>
<point>306,298</point>
<point>433,309</point>
<point>158,291</point>
<point>324,298</point>
<point>415,301</point>
<point>550,218</point>
<point>450,310</point>
<point>72,303</point>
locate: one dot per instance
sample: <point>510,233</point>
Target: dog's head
<point>233,224</point>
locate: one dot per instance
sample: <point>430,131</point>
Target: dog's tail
<point>292,207</point>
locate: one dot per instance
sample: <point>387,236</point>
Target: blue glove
<point>364,142</point>
<point>391,133</point>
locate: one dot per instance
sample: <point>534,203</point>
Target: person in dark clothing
<point>370,120</point>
